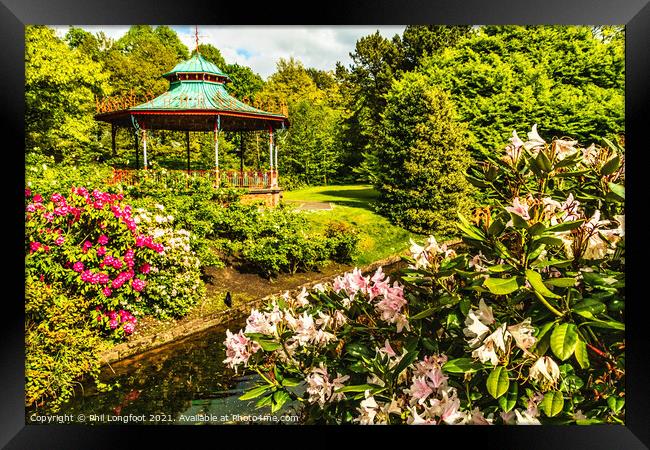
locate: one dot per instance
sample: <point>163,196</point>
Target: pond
<point>183,382</point>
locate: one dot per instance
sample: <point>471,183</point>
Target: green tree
<point>60,88</point>
<point>245,83</point>
<point>567,79</point>
<point>420,41</point>
<point>308,148</point>
<point>422,158</point>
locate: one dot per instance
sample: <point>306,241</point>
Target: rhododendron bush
<point>88,242</point>
<point>522,323</point>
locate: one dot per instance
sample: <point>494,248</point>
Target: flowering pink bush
<point>88,242</point>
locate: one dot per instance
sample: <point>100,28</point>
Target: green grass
<point>353,204</point>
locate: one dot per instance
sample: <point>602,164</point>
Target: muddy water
<point>184,382</point>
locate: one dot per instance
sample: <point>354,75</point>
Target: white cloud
<point>260,47</point>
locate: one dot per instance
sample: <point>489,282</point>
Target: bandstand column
<point>217,124</point>
<point>144,145</point>
<point>271,155</point>
<point>187,139</point>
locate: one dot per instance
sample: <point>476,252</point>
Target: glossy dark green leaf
<point>552,403</point>
<point>508,401</point>
<point>610,166</point>
<point>563,340</point>
<point>462,365</point>
<point>501,286</point>
<point>497,382</point>
<point>565,226</point>
<point>617,189</point>
<point>535,280</point>
<point>560,282</point>
<point>255,392</point>
<point>581,355</point>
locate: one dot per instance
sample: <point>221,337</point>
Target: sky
<point>260,47</point>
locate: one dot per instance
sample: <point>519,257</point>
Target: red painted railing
<point>234,178</point>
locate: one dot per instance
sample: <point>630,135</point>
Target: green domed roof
<point>196,64</point>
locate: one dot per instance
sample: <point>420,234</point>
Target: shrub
<point>89,243</point>
<point>60,345</point>
<point>423,159</point>
<point>525,327</point>
<point>342,240</point>
<point>174,283</point>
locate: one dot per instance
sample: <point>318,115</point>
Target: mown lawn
<point>353,204</point>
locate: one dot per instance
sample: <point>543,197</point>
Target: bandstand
<point>197,100</point>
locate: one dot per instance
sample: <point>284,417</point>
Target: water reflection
<point>183,383</point>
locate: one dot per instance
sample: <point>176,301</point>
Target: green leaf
<point>476,182</point>
<point>535,280</point>
<point>423,314</point>
<point>462,365</point>
<point>589,308</point>
<point>549,240</point>
<point>609,324</point>
<point>264,401</point>
<point>406,361</point>
<point>508,401</point>
<point>279,399</point>
<point>615,403</point>
<point>617,189</point>
<point>268,345</point>
<point>581,354</point>
<point>497,382</point>
<point>551,262</point>
<point>501,286</point>
<point>564,340</point>
<point>552,403</point>
<point>290,382</point>
<point>518,221</point>
<point>470,230</point>
<point>536,229</point>
<point>610,166</point>
<point>500,268</point>
<point>564,282</point>
<point>543,162</point>
<point>255,392</point>
<point>357,388</point>
<point>565,226</point>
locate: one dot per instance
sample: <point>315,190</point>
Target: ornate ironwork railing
<point>250,179</point>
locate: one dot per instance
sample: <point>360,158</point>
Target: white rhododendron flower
<point>534,142</point>
<point>523,418</point>
<point>493,346</point>
<point>545,370</point>
<point>523,334</point>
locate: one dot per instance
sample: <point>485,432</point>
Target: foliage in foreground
<point>524,327</point>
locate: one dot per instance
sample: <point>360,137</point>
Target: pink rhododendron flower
<point>521,209</point>
<point>420,390</point>
<point>86,246</point>
<point>107,291</point>
<point>238,349</point>
<point>28,192</point>
<point>145,268</point>
<point>128,328</point>
<point>78,267</point>
<point>38,198</point>
<point>102,240</point>
<point>113,323</point>
<point>60,240</point>
<point>34,246</point>
<point>101,251</point>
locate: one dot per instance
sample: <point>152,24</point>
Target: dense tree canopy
<point>60,86</point>
<point>569,80</point>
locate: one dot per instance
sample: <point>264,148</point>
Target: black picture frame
<point>14,14</point>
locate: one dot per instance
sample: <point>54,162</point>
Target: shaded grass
<point>352,204</point>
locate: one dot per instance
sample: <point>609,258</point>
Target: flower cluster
<point>389,301</point>
<point>121,321</point>
<point>84,234</point>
